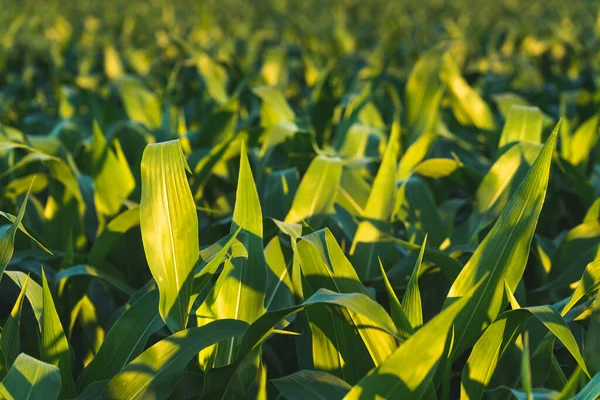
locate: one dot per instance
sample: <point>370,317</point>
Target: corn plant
<point>351,200</point>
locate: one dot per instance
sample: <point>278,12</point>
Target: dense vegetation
<point>300,199</point>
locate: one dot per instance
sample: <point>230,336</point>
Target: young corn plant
<point>327,208</point>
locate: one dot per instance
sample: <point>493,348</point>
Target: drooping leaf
<point>164,363</point>
<point>324,265</point>
<point>218,379</point>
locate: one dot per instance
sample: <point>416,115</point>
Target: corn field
<point>300,200</point>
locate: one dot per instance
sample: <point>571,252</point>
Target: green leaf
<point>496,339</point>
<point>165,362</point>
<point>239,292</point>
<point>22,228</point>
<point>169,226</point>
<point>399,317</point>
<point>7,237</point>
<point>141,104</point>
<point>437,168</point>
<point>30,379</point>
<point>54,348</point>
<point>111,234</point>
<point>526,368</point>
<point>33,292</point>
<point>317,191</point>
<point>591,350</point>
<point>125,340</point>
<point>523,123</point>
<point>202,171</point>
<point>496,189</point>
<point>110,277</point>
<point>377,212</point>
<point>411,302</point>
<point>449,266</point>
<point>279,191</point>
<point>468,106</point>
<point>215,76</point>
<point>276,103</point>
<point>423,92</point>
<point>324,265</point>
<point>503,253</point>
<point>311,384</point>
<point>579,247</point>
<point>422,351</point>
<point>591,390</point>
<point>280,291</point>
<point>583,141</point>
<point>416,207</point>
<point>415,154</point>
<point>10,341</point>
<point>212,261</point>
<point>218,379</point>
<point>589,282</point>
<point>109,193</point>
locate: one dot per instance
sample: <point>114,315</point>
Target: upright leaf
<point>422,351</point>
<point>54,348</point>
<point>317,191</point>
<point>411,302</point>
<point>523,123</point>
<point>169,226</point>
<point>164,363</point>
<point>7,237</point>
<point>218,379</point>
<point>592,341</point>
<point>397,312</point>
<point>109,193</point>
<point>377,213</point>
<point>239,293</point>
<point>503,253</point>
<point>10,340</point>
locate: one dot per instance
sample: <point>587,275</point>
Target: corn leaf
<point>169,227</point>
<point>10,340</point>
<point>503,253</point>
<point>31,379</point>
<point>54,348</point>
<point>166,361</point>
<point>313,384</point>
